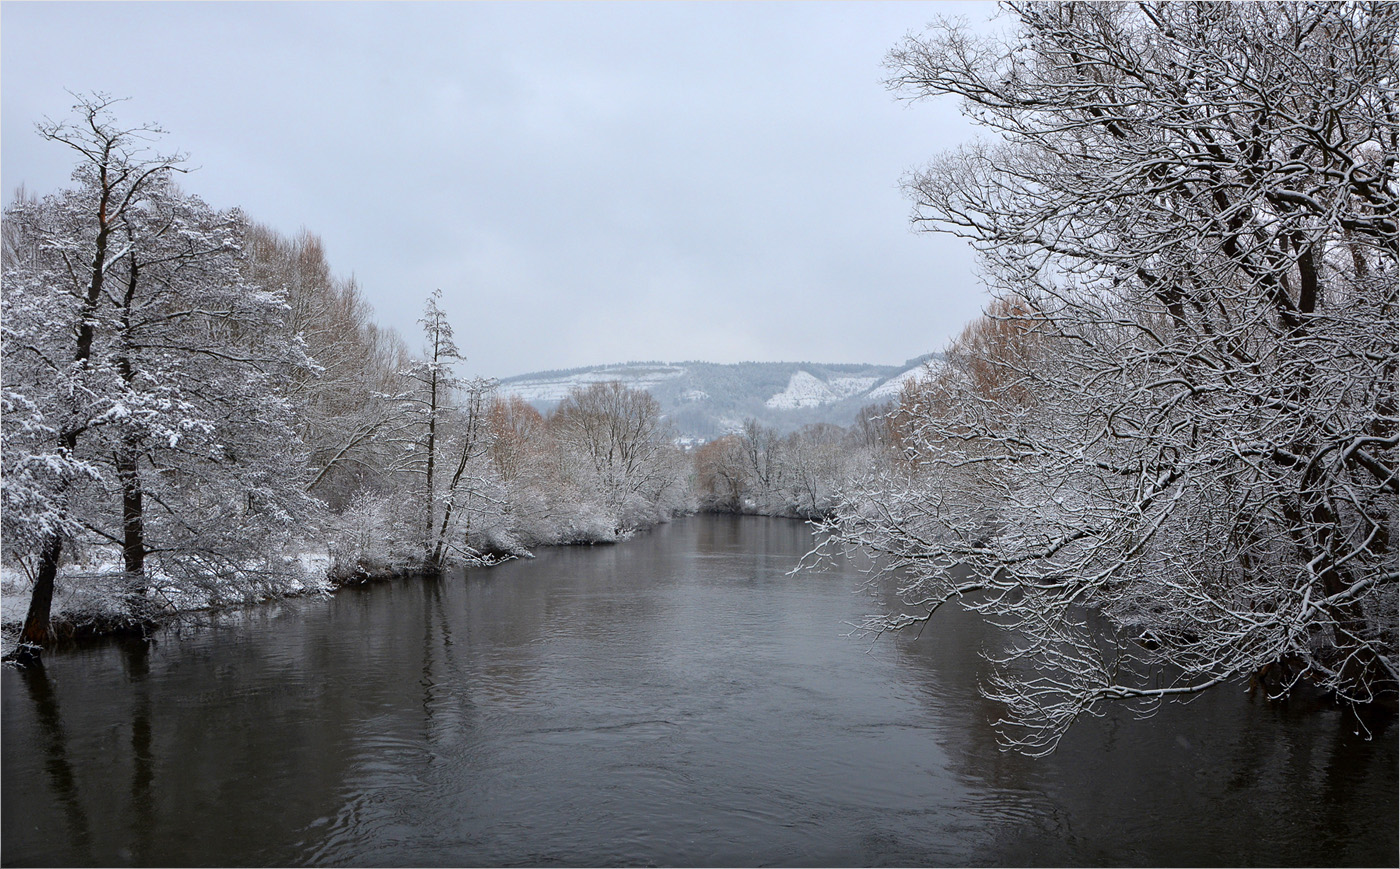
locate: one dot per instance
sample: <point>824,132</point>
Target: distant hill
<point>707,399</point>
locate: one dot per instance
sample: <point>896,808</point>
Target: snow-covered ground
<point>807,390</point>
<point>95,592</point>
<point>891,388</point>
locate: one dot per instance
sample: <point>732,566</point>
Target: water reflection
<point>680,699</point>
<point>1224,779</point>
<point>53,745</point>
<point>136,657</point>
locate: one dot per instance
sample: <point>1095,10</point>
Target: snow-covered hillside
<point>552,386</point>
<point>891,388</point>
<point>706,399</point>
<point>805,390</point>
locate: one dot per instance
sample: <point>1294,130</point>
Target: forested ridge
<point>705,400</point>
<point>1164,459</point>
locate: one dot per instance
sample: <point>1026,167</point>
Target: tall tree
<point>53,325</point>
<point>1193,477</point>
<point>344,409</point>
<point>144,364</point>
<point>448,418</point>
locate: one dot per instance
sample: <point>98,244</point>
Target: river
<point>679,699</point>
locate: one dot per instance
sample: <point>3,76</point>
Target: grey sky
<point>586,183</point>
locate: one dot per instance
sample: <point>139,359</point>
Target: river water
<point>680,699</point>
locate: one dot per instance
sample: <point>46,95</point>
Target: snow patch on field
<point>803,390</point>
<point>892,387</point>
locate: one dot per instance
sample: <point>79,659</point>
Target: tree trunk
<point>128,455</point>
<point>133,519</point>
<point>432,456</point>
<point>439,550</point>
<point>36,622</point>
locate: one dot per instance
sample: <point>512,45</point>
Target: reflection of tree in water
<point>449,691</point>
<point>1321,772</point>
<point>1355,757</point>
<point>136,659</point>
<point>945,657</point>
<point>56,763</point>
<point>1223,779</point>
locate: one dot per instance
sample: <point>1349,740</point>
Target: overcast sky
<point>586,183</point>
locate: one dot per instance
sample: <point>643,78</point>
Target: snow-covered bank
<point>94,598</point>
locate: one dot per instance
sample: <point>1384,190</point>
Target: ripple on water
<point>677,700</point>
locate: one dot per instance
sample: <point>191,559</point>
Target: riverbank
<point>684,700</point>
<point>91,598</point>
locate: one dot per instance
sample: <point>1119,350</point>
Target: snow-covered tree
<point>622,447</point>
<point>141,410</point>
<point>1186,471</point>
<point>816,463</point>
<point>446,422</point>
<point>202,429</point>
<point>431,380</point>
<point>472,495</point>
<point>56,269</point>
<point>763,449</point>
<point>344,404</point>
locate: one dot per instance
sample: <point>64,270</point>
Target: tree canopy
<point>1182,470</point>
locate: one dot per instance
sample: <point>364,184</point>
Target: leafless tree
<point>345,412</point>
<point>721,475</point>
<point>1183,472</point>
<point>142,411</point>
<point>624,444</point>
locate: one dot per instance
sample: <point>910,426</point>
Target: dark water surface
<point>677,700</point>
